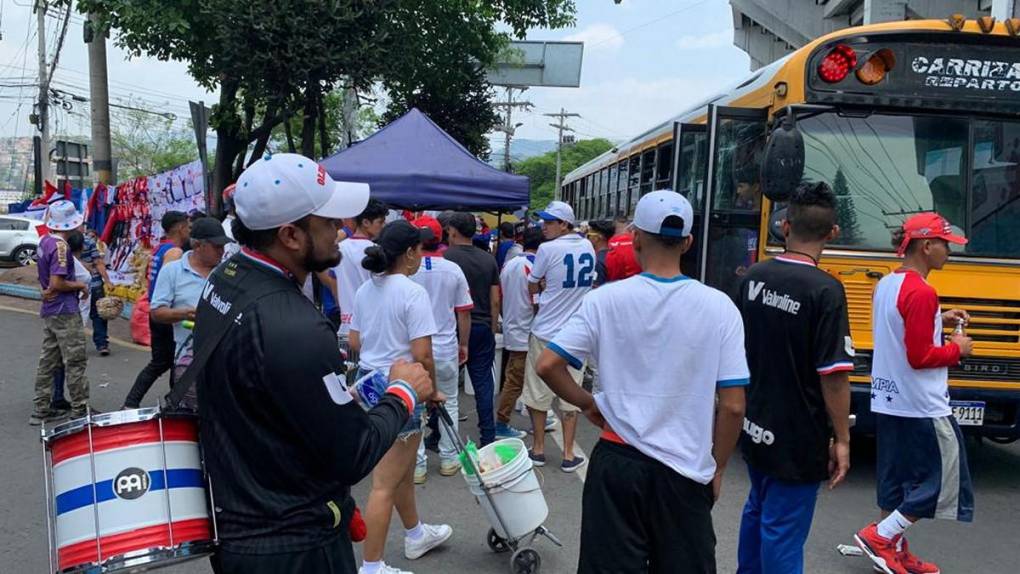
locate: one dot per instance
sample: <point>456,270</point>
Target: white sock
<point>893,525</point>
<point>415,533</point>
<point>371,567</point>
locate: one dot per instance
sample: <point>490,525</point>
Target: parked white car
<point>18,239</point>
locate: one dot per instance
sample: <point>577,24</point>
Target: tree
<point>276,60</point>
<point>542,169</point>
<point>147,144</point>
<point>366,121</point>
<point>846,212</point>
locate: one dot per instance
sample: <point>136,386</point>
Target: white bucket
<point>515,492</point>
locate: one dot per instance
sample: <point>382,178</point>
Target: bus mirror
<point>776,224</point>
<point>783,163</point>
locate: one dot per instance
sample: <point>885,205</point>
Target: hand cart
<point>525,559</point>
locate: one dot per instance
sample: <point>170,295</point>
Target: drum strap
<point>202,354</point>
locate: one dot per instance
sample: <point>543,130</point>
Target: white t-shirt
<point>350,276</point>
<point>390,311</point>
<point>567,264</point>
<point>448,291</point>
<point>663,347</point>
<point>518,309</point>
<point>85,300</point>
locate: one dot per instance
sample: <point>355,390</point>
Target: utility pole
<point>508,127</point>
<point>99,94</point>
<point>43,118</point>
<point>562,127</point>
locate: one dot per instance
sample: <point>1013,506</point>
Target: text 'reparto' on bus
<point>897,118</point>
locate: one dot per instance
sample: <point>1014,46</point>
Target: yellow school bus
<point>897,118</point>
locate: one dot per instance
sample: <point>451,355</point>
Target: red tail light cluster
<point>837,64</point>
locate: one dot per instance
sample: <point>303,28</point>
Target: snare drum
<point>126,491</point>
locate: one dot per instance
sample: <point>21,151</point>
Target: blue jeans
<point>481,355</point>
<point>99,336</point>
<point>775,525</point>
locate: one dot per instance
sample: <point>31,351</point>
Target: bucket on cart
<point>513,489</point>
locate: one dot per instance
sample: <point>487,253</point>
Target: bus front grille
<point>970,369</point>
<point>991,320</point>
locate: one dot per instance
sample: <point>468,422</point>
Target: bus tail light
<point>878,65</point>
<point>836,65</point>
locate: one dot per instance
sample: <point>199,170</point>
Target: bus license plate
<point>968,413</point>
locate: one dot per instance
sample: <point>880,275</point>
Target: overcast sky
<point>644,61</point>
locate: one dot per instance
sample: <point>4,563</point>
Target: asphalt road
<point>988,546</point>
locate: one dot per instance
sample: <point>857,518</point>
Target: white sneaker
<point>386,569</point>
<point>421,473</point>
<point>435,534</point>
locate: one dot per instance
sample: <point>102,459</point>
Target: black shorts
<point>639,515</point>
<point>922,468</point>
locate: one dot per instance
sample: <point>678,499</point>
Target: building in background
<point>770,29</point>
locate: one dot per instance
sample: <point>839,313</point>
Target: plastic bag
<point>140,322</point>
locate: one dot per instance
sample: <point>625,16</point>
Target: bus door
<point>728,242</point>
<point>690,178</point>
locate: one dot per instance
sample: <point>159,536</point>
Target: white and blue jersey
<point>567,264</point>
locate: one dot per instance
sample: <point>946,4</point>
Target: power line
<point>612,37</point>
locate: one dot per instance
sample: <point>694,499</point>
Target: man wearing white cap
<point>63,330</point>
<point>563,272</point>
<point>282,436</point>
<point>666,347</point>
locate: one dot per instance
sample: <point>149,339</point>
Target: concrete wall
<point>769,29</point>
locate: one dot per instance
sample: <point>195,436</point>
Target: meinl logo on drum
<point>131,483</point>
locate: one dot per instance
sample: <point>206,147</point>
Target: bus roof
<point>761,82</point>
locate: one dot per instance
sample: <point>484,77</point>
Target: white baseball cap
<point>282,188</point>
<point>653,209</point>
<point>63,216</point>
<point>557,210</point>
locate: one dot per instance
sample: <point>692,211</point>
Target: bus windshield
<point>883,168</point>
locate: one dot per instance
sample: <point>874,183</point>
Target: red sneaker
<point>882,551</point>
<point>913,564</point>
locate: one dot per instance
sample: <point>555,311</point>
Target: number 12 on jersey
<point>585,270</point>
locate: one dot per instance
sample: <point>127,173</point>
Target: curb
<point>35,294</point>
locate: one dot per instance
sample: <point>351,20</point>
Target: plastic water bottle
<point>370,388</point>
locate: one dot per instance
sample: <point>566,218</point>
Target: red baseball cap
<point>928,225</point>
<point>430,223</point>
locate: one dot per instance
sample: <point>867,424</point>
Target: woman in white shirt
<point>393,321</point>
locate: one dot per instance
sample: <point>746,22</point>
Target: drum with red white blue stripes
<point>126,490</point>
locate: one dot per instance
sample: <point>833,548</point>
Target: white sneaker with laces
<point>435,534</point>
<point>386,569</point>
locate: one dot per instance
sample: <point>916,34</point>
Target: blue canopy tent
<point>413,164</point>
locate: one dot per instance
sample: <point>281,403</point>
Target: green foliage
<point>366,120</point>
<point>542,169</point>
<point>147,144</point>
<point>273,61</point>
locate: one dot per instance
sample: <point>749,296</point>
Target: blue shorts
<point>922,468</point>
<point>415,424</point>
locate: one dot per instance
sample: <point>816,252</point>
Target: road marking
<point>114,340</point>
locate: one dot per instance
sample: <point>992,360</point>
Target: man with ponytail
<point>283,438</point>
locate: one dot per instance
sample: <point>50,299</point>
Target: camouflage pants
<point>63,344</point>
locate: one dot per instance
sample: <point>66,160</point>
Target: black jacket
<point>280,451</point>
